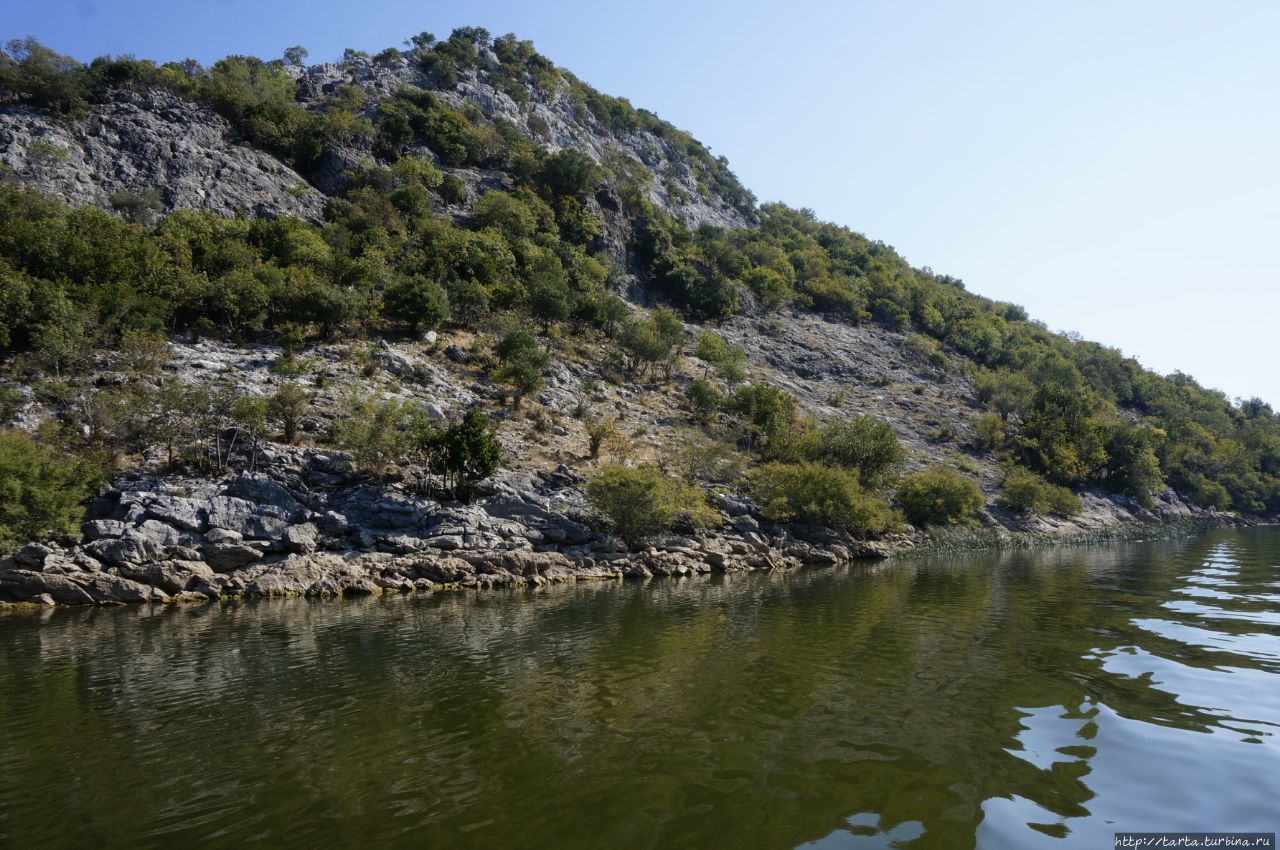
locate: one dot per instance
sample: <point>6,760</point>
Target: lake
<point>1006,700</point>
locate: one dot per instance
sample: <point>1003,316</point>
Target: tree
<point>600,430</point>
<point>418,301</point>
<point>288,405</point>
<point>372,432</point>
<point>1133,467</point>
<point>250,415</point>
<point>939,496</point>
<point>465,454</point>
<point>640,503</point>
<point>42,490</point>
<point>767,415</point>
<point>569,173</point>
<point>523,373</point>
<point>718,353</point>
<point>296,55</point>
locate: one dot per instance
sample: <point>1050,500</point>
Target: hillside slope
<point>258,381</point>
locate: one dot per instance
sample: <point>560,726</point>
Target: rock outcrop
<point>136,143</point>
<point>160,539</point>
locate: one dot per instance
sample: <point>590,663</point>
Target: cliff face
<point>138,143</point>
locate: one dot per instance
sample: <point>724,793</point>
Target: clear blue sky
<point>1112,166</point>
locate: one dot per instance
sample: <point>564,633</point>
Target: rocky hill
<point>374,247</point>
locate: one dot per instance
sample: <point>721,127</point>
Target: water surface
<point>1045,699</point>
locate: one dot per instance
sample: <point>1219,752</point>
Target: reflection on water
<point>1042,699</point>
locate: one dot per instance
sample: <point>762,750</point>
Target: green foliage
<point>374,432</point>
<point>703,398</point>
<point>464,454</point>
<point>766,414</point>
<point>418,301</point>
<point>452,190</point>
<point>289,404</point>
<point>988,432</point>
<point>522,363</point>
<point>652,340</point>
<point>1132,465</point>
<point>862,444</point>
<point>938,496</point>
<point>1022,491</point>
<point>727,359</point>
<point>33,73</point>
<point>925,349</point>
<point>643,502</point>
<point>42,490</point>
<point>813,493</point>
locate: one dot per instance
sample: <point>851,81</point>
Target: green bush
<point>938,496</point>
<point>463,455</point>
<point>642,502</point>
<point>43,491</point>
<point>810,492</point>
<point>418,301</point>
<point>1025,492</point>
<point>862,443</point>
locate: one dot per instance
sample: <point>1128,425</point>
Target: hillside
<point>450,316</point>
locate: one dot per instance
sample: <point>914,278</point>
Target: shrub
<point>452,190</point>
<point>288,405</point>
<point>939,496</point>
<point>810,492</point>
<point>988,432</point>
<point>719,354</point>
<point>464,454</point>
<point>862,443</point>
<point>1025,492</point>
<point>419,301</point>
<point>704,399</point>
<point>42,490</point>
<point>642,502</point>
<point>767,414</point>
<point>600,431</point>
<point>925,349</point>
<point>698,458</point>
<point>373,432</point>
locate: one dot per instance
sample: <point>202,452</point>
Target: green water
<point>1045,699</point>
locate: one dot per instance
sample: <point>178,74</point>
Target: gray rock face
<point>136,142</point>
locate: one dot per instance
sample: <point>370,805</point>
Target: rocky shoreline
<point>309,528</point>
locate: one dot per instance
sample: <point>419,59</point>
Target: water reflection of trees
<point>763,711</point>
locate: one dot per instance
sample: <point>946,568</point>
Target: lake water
<point>1044,699</point>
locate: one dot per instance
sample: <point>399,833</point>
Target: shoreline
<point>170,548</point>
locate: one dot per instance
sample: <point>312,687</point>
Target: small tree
<point>418,301</point>
<point>42,490</point>
<point>464,454</point>
<point>719,354</point>
<point>640,503</point>
<point>704,399</point>
<point>289,404</point>
<point>295,55</point>
<point>372,432</point>
<point>250,415</point>
<point>600,430</point>
<point>939,496</point>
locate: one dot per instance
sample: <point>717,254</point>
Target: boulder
<point>224,557</point>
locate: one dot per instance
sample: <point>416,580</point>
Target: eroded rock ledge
<point>308,527</point>
<point>305,529</point>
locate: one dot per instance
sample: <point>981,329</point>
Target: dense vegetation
<point>409,245</point>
